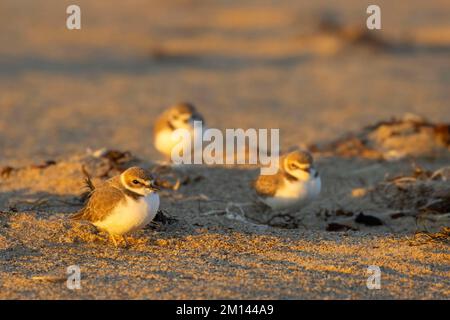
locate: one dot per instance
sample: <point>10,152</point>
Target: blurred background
<point>310,68</point>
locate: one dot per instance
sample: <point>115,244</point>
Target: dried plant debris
<point>424,237</point>
<point>89,185</point>
<point>169,178</point>
<point>439,206</point>
<point>285,221</point>
<point>104,163</point>
<point>420,189</point>
<point>161,54</point>
<point>44,165</point>
<point>165,183</point>
<point>420,173</point>
<point>355,35</point>
<point>164,218</point>
<point>113,162</point>
<point>398,215</point>
<point>345,213</point>
<point>7,171</point>
<point>416,200</point>
<point>44,203</point>
<point>53,278</point>
<point>422,194</point>
<point>259,214</point>
<point>333,213</point>
<point>394,139</point>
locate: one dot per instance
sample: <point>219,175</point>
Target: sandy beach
<point>247,64</point>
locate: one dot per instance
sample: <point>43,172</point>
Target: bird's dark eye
<point>135,182</point>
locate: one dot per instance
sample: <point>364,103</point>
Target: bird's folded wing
<point>267,185</point>
<point>102,201</point>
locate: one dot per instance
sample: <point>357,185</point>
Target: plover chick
<point>293,186</point>
<point>178,116</point>
<point>122,204</point>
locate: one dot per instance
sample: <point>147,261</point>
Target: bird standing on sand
<point>178,116</point>
<point>293,186</point>
<point>122,204</point>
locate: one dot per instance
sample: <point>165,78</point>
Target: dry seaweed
<point>43,165</point>
<point>164,217</point>
<point>6,171</point>
<point>345,213</point>
<point>284,221</point>
<point>169,178</point>
<point>423,194</point>
<point>354,35</point>
<point>116,161</point>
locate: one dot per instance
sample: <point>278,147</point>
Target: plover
<point>122,204</point>
<point>178,116</point>
<point>293,186</point>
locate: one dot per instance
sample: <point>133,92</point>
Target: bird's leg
<point>113,239</point>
